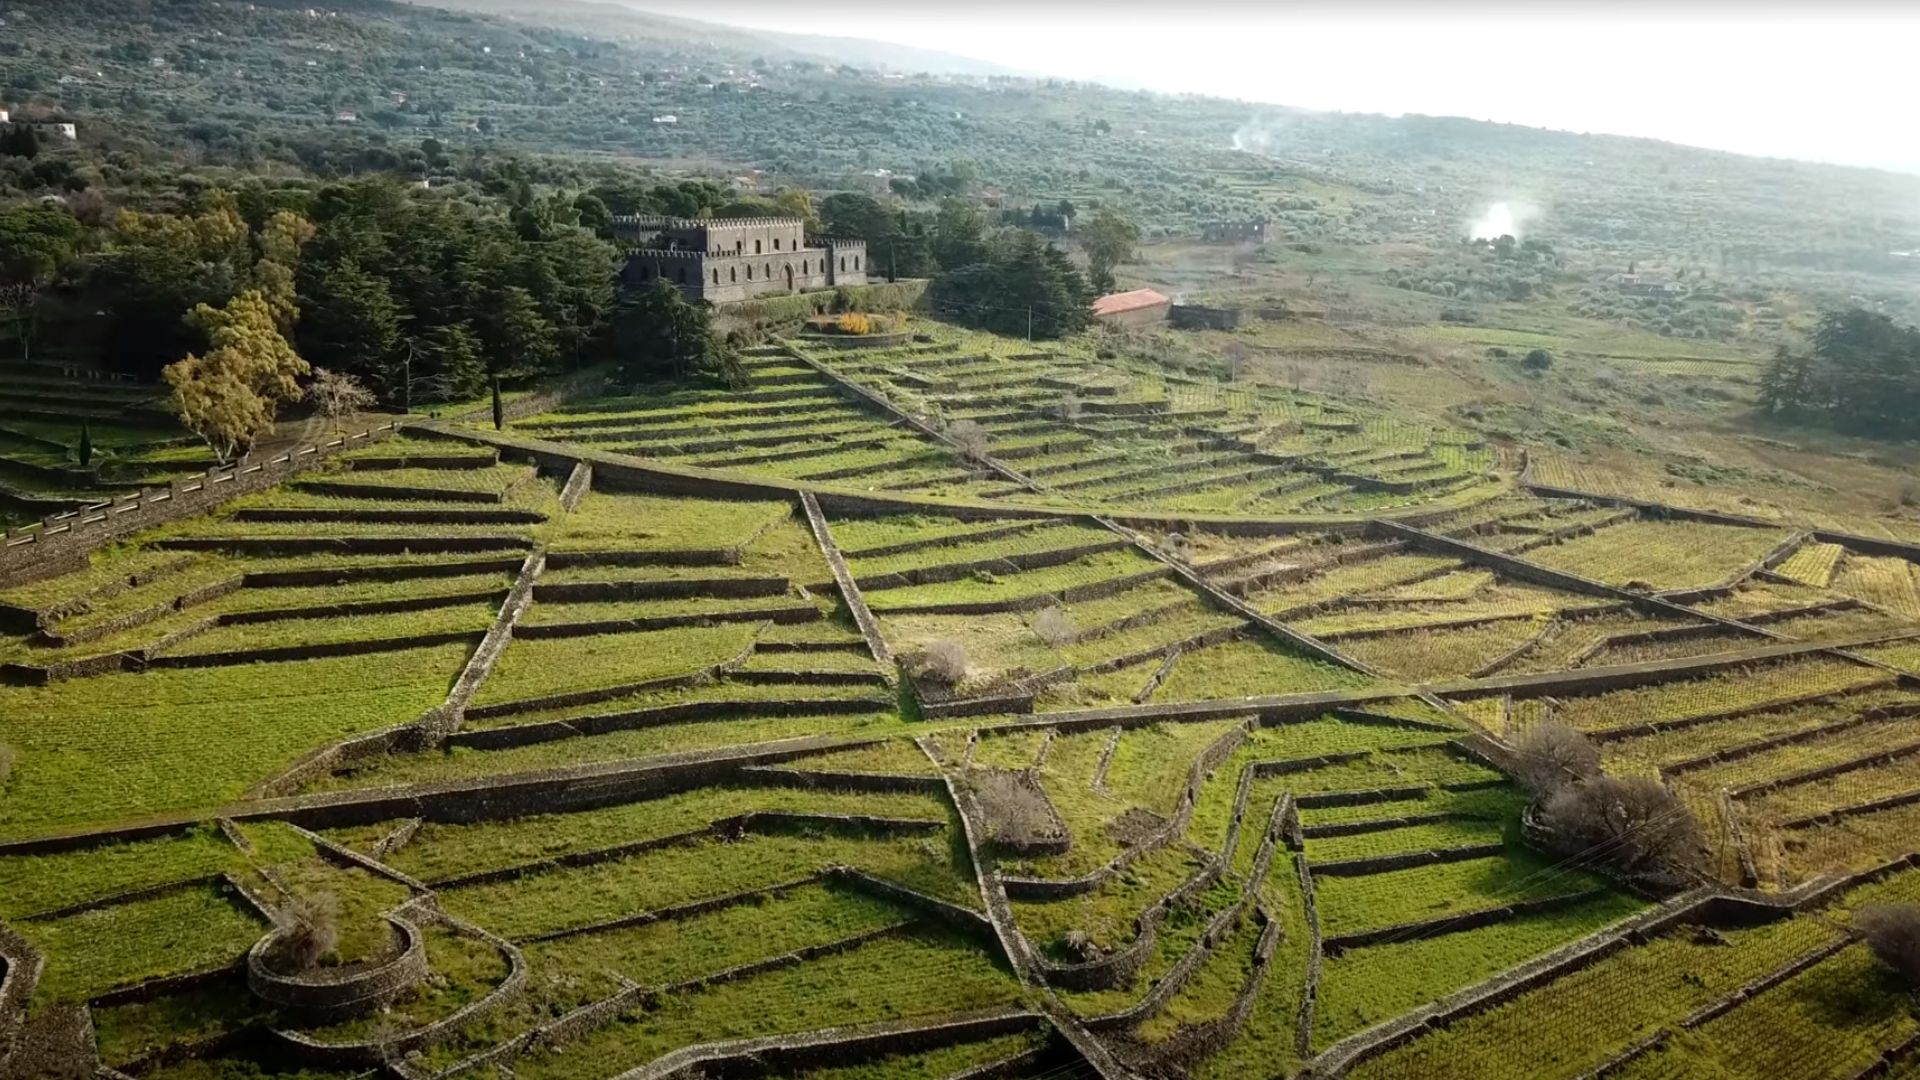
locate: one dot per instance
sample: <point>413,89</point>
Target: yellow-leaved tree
<point>228,396</point>
<point>279,243</point>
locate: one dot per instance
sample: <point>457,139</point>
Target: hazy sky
<point>1823,81</point>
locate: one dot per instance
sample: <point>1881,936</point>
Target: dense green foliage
<point>1862,376</point>
<point>657,334</point>
<point>1024,286</point>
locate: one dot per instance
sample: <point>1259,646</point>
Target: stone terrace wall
<point>61,543</point>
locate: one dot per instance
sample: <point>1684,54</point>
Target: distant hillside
<point>359,87</point>
<point>641,20</point>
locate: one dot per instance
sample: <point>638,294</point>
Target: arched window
<point>749,271</point>
<point>767,270</point>
<point>680,274</point>
<point>843,262</point>
<point>856,262</point>
<point>803,267</point>
<point>776,243</point>
<point>736,247</point>
<point>733,274</point>
<point>716,275</point>
<point>756,247</point>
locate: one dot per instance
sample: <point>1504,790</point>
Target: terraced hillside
<point>956,710</point>
<point>47,407</point>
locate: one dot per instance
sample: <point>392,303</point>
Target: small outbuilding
<point>1139,307</point>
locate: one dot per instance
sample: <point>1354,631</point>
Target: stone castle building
<point>736,258</point>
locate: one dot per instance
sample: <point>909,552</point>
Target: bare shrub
<point>1635,825</point>
<point>1892,931</point>
<point>970,439</point>
<point>1017,811</point>
<point>309,931</point>
<point>1080,945</point>
<point>1550,754</point>
<point>1070,408</point>
<point>1054,627</point>
<point>941,661</point>
<point>1909,492</point>
<point>336,394</point>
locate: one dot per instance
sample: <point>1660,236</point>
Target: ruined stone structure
<point>737,258</point>
<point>1245,231</point>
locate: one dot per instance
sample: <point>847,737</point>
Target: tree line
<point>1861,376</point>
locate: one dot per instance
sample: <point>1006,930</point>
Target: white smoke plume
<point>1505,218</point>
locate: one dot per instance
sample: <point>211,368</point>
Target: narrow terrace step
<point>823,450</point>
<point>344,545</point>
<point>389,517</point>
<point>661,589</point>
<point>347,490</point>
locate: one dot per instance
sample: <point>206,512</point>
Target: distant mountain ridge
<point>618,19</point>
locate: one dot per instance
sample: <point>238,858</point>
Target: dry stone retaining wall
<point>61,542</point>
<point>325,995</point>
<point>849,588</point>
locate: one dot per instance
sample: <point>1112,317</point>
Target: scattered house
<point>1250,231</point>
<point>48,129</point>
<point>668,118</point>
<point>1140,307</point>
<point>346,116</point>
<point>7,116</point>
<point>1641,285</point>
<point>157,61</point>
<point>398,97</point>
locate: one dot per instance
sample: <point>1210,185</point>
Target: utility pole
<point>1029,324</point>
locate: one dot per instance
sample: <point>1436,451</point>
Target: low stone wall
<point>344,489</point>
<point>1091,591</point>
<point>567,560</point>
<point>1761,746</point>
<point>785,614</point>
<point>1316,958</point>
<point>1380,864</point>
<point>834,1047</point>
<point>1840,768</point>
<point>812,779</point>
<point>20,967</point>
<point>52,637</point>
<point>1453,924</point>
<point>849,588</point>
<point>1705,906</point>
<point>578,787</point>
<point>604,723</point>
<point>993,897</point>
<point>733,588</point>
<point>1602,679</point>
<point>1681,723</point>
<point>1830,817</point>
<point>1304,642</point>
<point>450,462</point>
<point>62,542</point>
<point>377,1050</point>
<point>388,517</point>
<point>1002,564</point>
<point>326,996</point>
<point>346,545</point>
